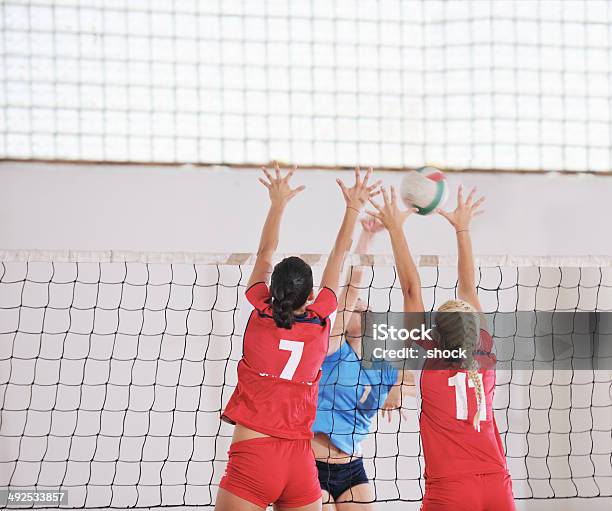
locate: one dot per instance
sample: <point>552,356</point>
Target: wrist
<point>366,236</point>
<point>278,206</point>
<point>351,208</point>
<point>396,228</point>
<point>460,230</point>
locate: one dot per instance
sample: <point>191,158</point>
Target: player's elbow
<point>411,290</point>
<point>266,251</point>
<point>413,303</point>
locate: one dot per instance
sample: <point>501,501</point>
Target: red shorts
<point>272,470</point>
<point>479,492</point>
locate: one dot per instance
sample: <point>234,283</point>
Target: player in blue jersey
<point>349,398</point>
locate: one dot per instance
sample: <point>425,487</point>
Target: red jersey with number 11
<point>448,402</point>
<point>279,373</point>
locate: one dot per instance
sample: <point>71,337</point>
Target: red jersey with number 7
<point>448,403</point>
<point>278,376</point>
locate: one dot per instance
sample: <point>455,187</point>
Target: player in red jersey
<point>465,465</point>
<point>285,341</point>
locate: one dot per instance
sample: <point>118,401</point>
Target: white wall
<point>222,210</point>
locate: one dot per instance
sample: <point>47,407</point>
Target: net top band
<point>240,258</point>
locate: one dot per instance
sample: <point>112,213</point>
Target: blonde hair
<point>459,327</point>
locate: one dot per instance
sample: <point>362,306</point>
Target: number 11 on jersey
<point>459,382</point>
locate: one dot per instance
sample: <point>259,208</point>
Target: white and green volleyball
<point>425,189</point>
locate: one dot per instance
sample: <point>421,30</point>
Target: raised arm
<point>393,219</point>
<point>404,387</point>
<point>355,199</point>
<point>280,193</point>
<point>460,219</point>
<point>350,294</point>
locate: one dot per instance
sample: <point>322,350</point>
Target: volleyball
<point>425,189</point>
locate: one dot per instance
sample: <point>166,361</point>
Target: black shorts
<point>336,478</point>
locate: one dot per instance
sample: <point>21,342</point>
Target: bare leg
<point>328,502</point>
<point>357,498</point>
<point>227,501</point>
<point>314,506</point>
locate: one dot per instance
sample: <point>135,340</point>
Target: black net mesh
<point>113,376</point>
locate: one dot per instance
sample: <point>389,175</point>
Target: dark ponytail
<point>290,285</point>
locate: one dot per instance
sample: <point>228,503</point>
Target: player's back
<point>291,354</point>
<point>279,372</point>
<point>451,444</point>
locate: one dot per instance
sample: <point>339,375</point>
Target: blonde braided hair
<point>459,327</point>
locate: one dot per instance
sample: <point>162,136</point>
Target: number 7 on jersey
<point>295,348</point>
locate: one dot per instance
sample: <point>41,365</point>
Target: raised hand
<point>389,213</point>
<point>393,402</point>
<point>461,217</point>
<point>360,192</point>
<point>371,225</point>
<point>278,187</point>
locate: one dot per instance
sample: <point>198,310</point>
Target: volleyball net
<point>394,83</point>
<point>114,368</point>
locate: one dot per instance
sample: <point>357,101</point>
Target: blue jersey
<point>349,397</point>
